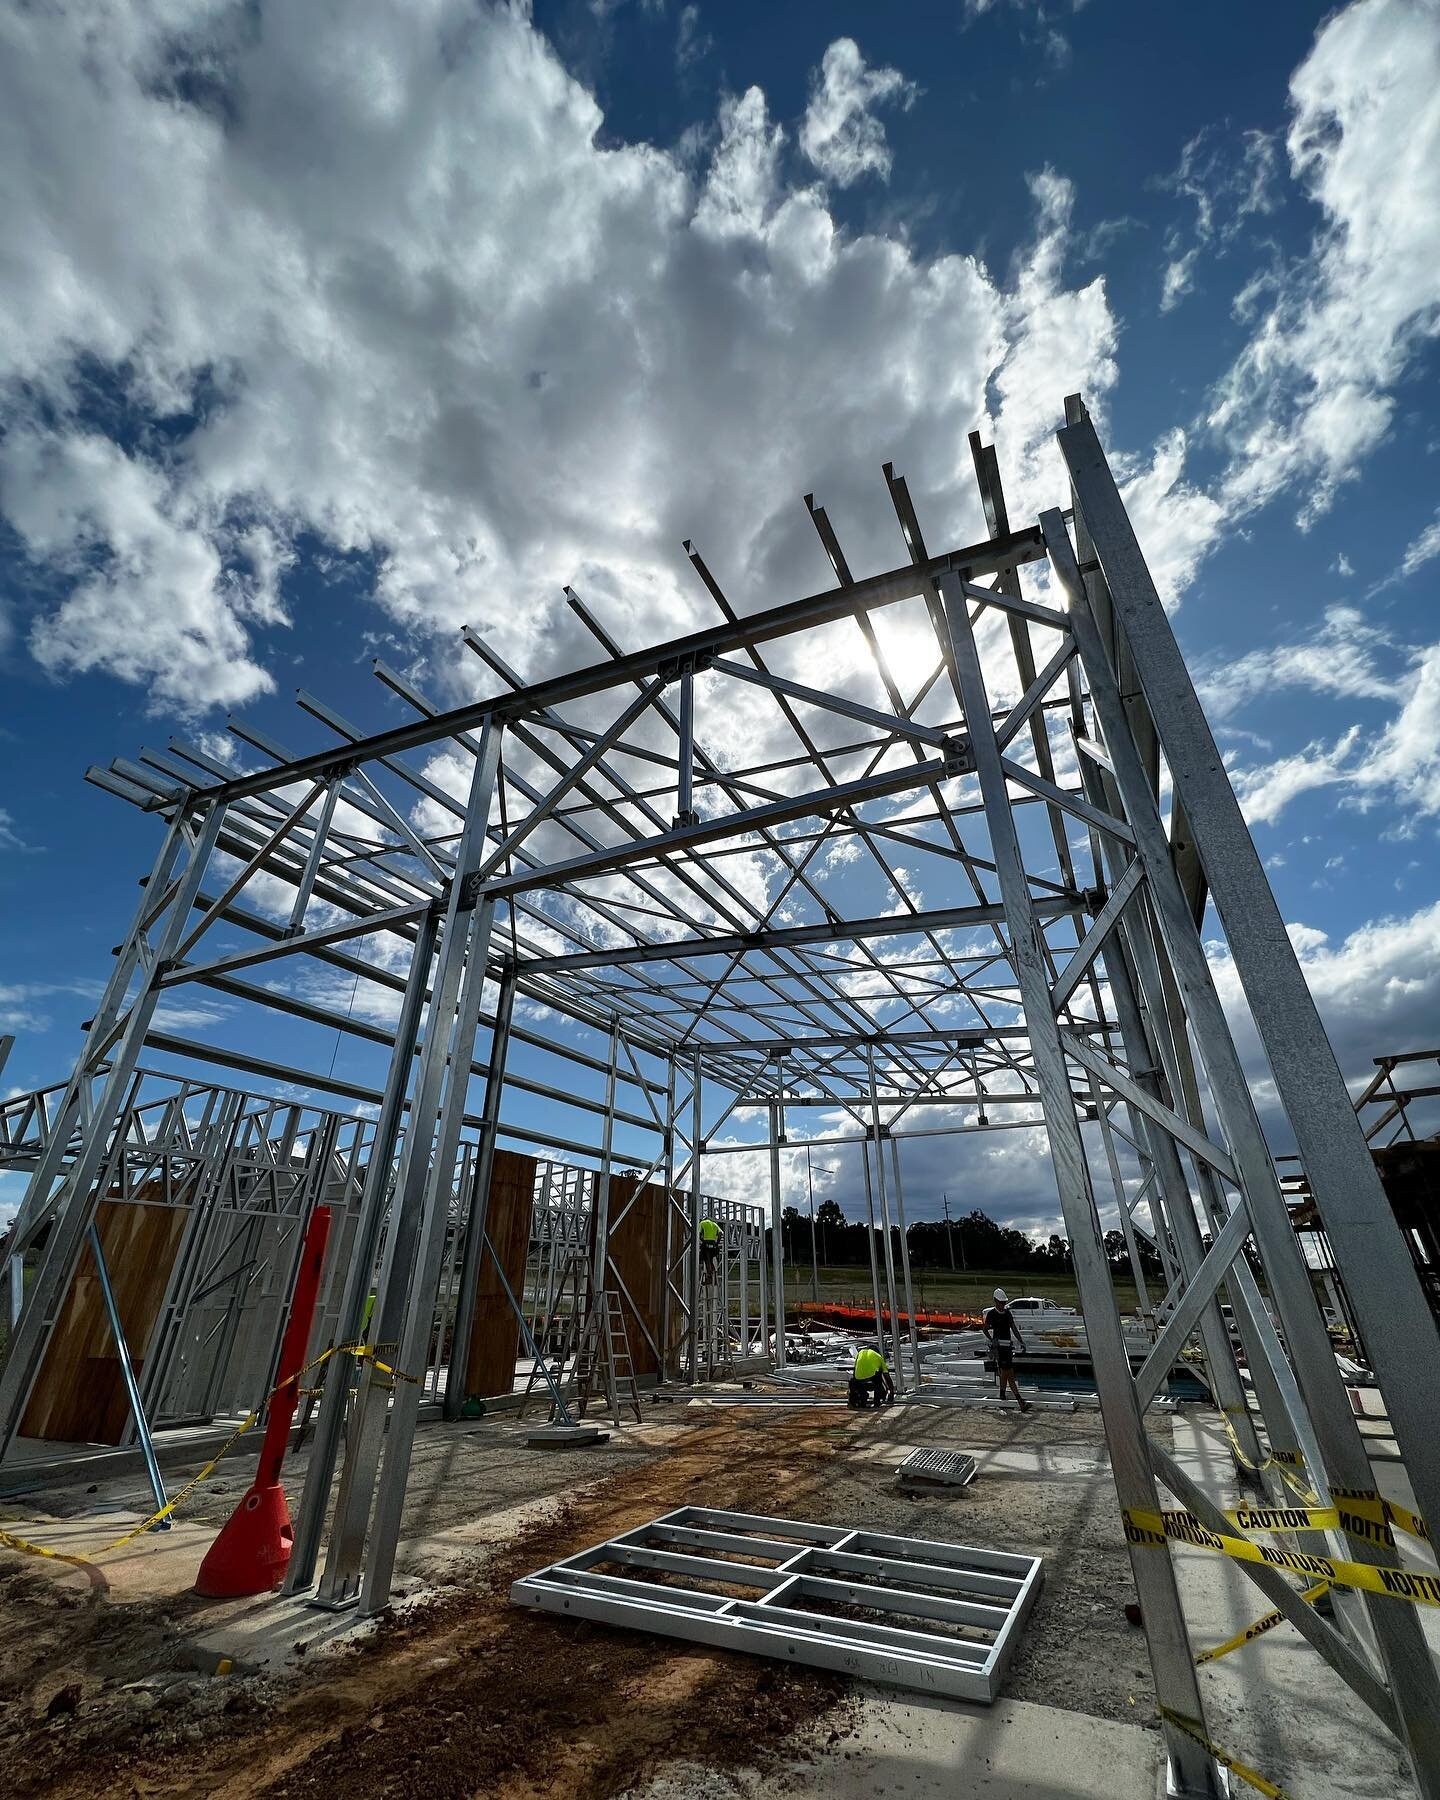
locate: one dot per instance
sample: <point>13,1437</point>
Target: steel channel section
<point>477,1217</point>
<point>1173,1195</point>
<point>777,1233</point>
<point>896,1359</point>
<point>1409,1668</point>
<point>1138,960</point>
<point>600,1218</point>
<point>81,1194</point>
<point>692,1248</point>
<point>413,1243</point>
<point>864,1143</point>
<point>1134,972</point>
<point>912,1329</point>
<point>374,1205</point>
<point>1122,1203</point>
<point>74,1105</point>
<point>909,1580</point>
<point>429,1177</point>
<point>1357,1216</point>
<point>1171,1657</point>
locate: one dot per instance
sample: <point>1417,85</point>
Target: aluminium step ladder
<point>597,1340</point>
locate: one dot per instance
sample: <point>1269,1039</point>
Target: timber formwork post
<point>477,1218</point>
<point>1177,1689</point>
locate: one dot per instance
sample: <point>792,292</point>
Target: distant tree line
<point>974,1241</point>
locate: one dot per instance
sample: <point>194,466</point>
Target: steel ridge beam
<point>757,628</point>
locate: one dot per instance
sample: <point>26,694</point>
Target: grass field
<point>966,1290</point>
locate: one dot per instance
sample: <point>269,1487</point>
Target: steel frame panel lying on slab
<point>788,1562</point>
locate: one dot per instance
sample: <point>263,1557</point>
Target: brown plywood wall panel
<point>79,1395</point>
<point>495,1335</point>
<point>637,1250</point>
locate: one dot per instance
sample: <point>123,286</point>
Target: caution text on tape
<point>1151,1529</point>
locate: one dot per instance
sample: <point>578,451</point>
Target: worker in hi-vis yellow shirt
<point>871,1376</point>
<point>709,1249</point>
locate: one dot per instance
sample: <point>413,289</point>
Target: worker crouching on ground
<point>871,1376</point>
<point>709,1249</point>
<point>1000,1327</point>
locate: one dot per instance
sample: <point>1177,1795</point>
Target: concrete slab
<point>155,1566</point>
<point>929,1749</point>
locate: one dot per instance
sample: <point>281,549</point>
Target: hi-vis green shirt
<point>868,1363</point>
<point>709,1231</point>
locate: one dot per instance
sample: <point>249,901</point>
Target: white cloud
<point>161,609</point>
<point>1377,991</point>
<point>1419,551</point>
<point>1312,392</point>
<point>1397,766</point>
<point>1226,187</point>
<point>840,133</point>
<point>10,838</point>
<point>25,1005</point>
<point>1176,522</point>
<point>376,281</point>
<point>1178,279</point>
<point>692,45</point>
<point>1341,657</point>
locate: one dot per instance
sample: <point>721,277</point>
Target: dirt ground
<point>466,1695</point>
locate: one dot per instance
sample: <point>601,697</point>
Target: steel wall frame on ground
<point>569,853</point>
<point>983,1597</point>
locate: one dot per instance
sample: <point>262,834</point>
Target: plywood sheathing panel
<point>637,1250</point>
<point>495,1334</point>
<point>79,1395</point>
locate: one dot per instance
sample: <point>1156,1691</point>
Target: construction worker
<point>871,1376</point>
<point>709,1249</point>
<point>1000,1326</point>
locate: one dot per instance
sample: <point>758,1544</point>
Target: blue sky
<point>326,335</point>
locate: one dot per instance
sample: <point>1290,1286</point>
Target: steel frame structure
<point>803,1575</point>
<point>1033,744</point>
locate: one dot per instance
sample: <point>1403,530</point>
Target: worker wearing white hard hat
<point>1000,1327</point>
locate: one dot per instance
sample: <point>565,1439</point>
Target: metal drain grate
<point>938,1468</point>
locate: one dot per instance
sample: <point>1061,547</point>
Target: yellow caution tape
<point>1252,1777</point>
<point>1151,1529</point>
<point>1373,1505</point>
<point>1240,1456</point>
<point>361,1352</point>
<point>1360,1510</point>
<point>1266,1622</point>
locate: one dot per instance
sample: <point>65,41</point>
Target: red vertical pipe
<point>292,1348</point>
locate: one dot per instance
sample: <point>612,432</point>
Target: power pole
<point>814,1264</point>
<point>949,1233</point>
